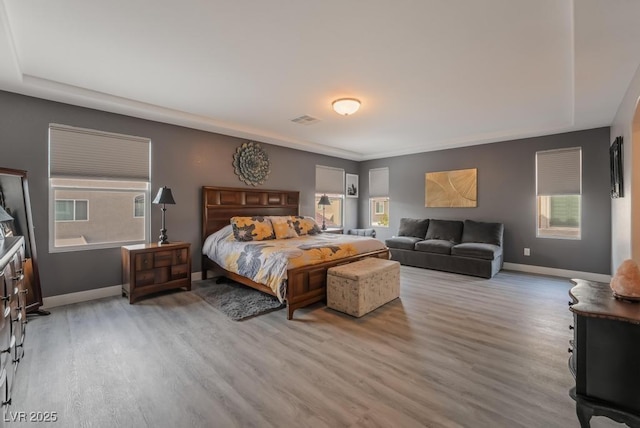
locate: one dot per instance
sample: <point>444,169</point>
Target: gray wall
<point>183,159</point>
<point>186,159</point>
<point>506,193</point>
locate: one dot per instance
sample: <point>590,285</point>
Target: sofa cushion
<point>447,230</point>
<point>402,242</point>
<point>416,227</point>
<point>477,250</point>
<point>486,233</point>
<point>439,246</point>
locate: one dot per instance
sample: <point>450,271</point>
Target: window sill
<point>559,233</point>
<point>88,247</point>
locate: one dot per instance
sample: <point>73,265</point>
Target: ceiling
<point>431,74</point>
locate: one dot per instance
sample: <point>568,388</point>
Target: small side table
<point>150,268</point>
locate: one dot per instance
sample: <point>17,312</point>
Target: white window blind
<point>85,153</point>
<point>559,172</point>
<point>329,180</point>
<point>378,182</point>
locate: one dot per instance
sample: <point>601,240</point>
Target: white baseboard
<point>81,296</point>
<point>562,273</point>
<point>116,290</point>
<point>98,293</point>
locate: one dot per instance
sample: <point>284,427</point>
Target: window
<point>332,213</point>
<point>138,206</point>
<point>330,182</point>
<point>103,171</point>
<point>380,212</point>
<point>379,206</point>
<point>110,221</point>
<point>558,189</point>
<point>379,197</point>
<point>72,210</point>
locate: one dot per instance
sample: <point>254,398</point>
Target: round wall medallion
<point>251,163</point>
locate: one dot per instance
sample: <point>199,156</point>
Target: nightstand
<point>337,230</point>
<point>149,268</point>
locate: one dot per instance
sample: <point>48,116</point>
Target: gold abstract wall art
<point>446,189</point>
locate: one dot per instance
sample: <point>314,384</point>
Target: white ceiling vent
<point>305,120</point>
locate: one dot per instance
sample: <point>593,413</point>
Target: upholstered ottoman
<point>360,287</point>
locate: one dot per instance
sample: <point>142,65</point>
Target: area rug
<point>235,300</point>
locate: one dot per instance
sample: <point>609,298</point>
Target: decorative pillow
<point>283,227</point>
<point>487,233</point>
<point>305,225</point>
<point>252,228</point>
<point>447,230</point>
<point>413,227</point>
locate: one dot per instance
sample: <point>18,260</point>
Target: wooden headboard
<point>219,204</point>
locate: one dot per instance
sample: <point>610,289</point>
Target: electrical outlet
<point>527,251</point>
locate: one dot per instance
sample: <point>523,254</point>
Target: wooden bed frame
<point>306,284</point>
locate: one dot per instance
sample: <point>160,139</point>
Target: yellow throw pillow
<point>305,225</point>
<point>252,228</point>
<point>283,227</point>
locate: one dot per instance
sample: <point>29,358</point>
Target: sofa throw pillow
<point>256,228</point>
<point>486,233</point>
<point>447,230</point>
<point>416,227</point>
<point>305,225</point>
<point>283,227</point>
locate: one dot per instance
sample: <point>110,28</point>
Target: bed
<point>305,284</point>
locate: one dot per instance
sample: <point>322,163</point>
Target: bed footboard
<point>308,285</point>
<point>305,285</point>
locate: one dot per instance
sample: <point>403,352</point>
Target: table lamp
<point>324,201</point>
<point>164,197</point>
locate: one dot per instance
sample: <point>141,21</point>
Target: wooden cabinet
<point>13,315</point>
<point>149,268</point>
<point>604,354</point>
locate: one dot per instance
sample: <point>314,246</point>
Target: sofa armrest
<point>362,232</point>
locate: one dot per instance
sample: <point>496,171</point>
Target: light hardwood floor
<point>453,351</point>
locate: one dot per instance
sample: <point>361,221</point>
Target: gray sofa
<point>469,247</point>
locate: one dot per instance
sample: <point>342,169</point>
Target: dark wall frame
<point>615,158</point>
<point>14,188</point>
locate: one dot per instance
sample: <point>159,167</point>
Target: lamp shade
<point>346,106</point>
<point>4,216</point>
<point>164,196</point>
<point>324,200</point>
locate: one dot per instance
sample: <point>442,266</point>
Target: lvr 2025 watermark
<point>19,416</point>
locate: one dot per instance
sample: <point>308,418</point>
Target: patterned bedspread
<point>267,262</point>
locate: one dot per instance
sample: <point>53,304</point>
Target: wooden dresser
<point>13,317</point>
<point>149,268</point>
<point>604,354</point>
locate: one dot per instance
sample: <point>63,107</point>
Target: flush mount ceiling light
<point>346,106</point>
